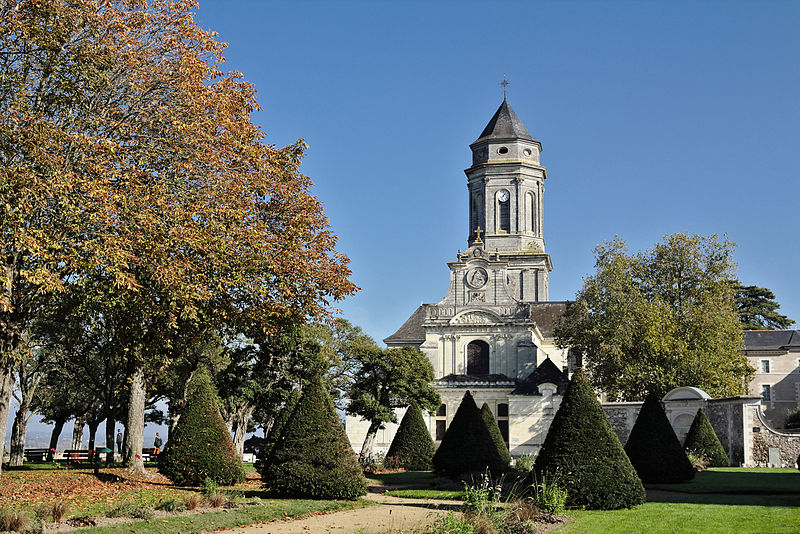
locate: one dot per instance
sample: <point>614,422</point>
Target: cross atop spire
<point>505,84</point>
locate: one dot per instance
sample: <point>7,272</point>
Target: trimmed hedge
<point>285,414</point>
<point>494,431</point>
<point>200,445</point>
<point>703,441</point>
<point>654,449</point>
<point>412,446</point>
<point>312,457</point>
<point>583,455</point>
<point>467,446</point>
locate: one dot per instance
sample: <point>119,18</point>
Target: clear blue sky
<point>654,117</point>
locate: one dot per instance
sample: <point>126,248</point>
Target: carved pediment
<point>475,317</point>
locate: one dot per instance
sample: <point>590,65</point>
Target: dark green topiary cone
<point>467,446</point>
<point>703,441</point>
<point>412,446</point>
<point>654,449</point>
<point>494,431</point>
<point>200,445</point>
<point>312,457</point>
<point>583,455</point>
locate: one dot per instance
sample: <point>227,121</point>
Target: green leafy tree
<point>412,446</point>
<point>701,440</point>
<point>659,319</point>
<point>494,431</point>
<point>758,309</point>
<point>312,457</point>
<point>389,379</point>
<point>654,449</point>
<point>129,158</point>
<point>200,446</point>
<point>467,446</point>
<point>583,455</point>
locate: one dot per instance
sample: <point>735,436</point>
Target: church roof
<point>506,125</point>
<point>545,315</point>
<point>547,372</point>
<point>412,331</point>
<point>491,380</point>
<point>771,339</point>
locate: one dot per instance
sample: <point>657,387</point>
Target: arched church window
<point>478,358</point>
<point>504,211</point>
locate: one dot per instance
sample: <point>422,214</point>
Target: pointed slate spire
<point>505,125</point>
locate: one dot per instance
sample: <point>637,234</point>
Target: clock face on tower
<point>502,195</point>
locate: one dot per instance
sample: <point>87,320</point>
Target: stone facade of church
<point>492,333</point>
<point>494,327</point>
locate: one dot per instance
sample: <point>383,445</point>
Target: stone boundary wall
<point>727,416</point>
<point>785,444</point>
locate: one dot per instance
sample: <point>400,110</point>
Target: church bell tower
<point>506,188</point>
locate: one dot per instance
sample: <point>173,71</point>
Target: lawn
<point>740,500</point>
<point>422,479</point>
<point>427,494</point>
<point>22,489</point>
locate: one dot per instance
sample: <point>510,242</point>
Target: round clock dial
<point>503,195</point>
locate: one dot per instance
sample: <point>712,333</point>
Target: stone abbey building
<point>492,333</point>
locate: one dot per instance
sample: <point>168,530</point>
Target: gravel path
<point>392,514</point>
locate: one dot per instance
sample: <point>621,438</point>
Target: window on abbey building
<point>442,411</point>
<point>765,366</point>
<point>766,393</point>
<point>505,215</point>
<point>478,358</point>
<point>441,429</point>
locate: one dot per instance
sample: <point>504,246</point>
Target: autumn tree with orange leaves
<point>131,171</point>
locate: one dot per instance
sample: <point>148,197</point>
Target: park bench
<point>78,456</point>
<point>149,455</point>
<point>36,455</point>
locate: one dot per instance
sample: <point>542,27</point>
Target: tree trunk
<point>241,418</point>
<point>110,424</point>
<point>174,415</point>
<point>135,423</point>
<point>6,386</point>
<point>27,387</point>
<point>369,441</point>
<point>93,424</point>
<point>18,431</point>
<point>77,432</point>
<point>58,426</point>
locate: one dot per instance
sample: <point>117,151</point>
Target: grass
<point>427,494</point>
<point>752,480</point>
<point>741,500</point>
<point>222,519</point>
<point>664,517</point>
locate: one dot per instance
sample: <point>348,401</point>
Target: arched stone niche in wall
<point>681,405</point>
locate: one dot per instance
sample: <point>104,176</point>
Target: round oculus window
<point>502,150</point>
<point>527,151</point>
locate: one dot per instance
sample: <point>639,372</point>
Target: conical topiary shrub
<point>200,446</point>
<point>494,431</point>
<point>467,446</point>
<point>312,457</point>
<point>654,449</point>
<point>583,455</point>
<point>285,414</point>
<point>703,441</point>
<point>412,446</point>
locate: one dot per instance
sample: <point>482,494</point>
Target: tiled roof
<point>546,372</point>
<point>505,125</point>
<point>412,331</point>
<point>771,339</point>
<point>545,314</point>
<point>493,380</point>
